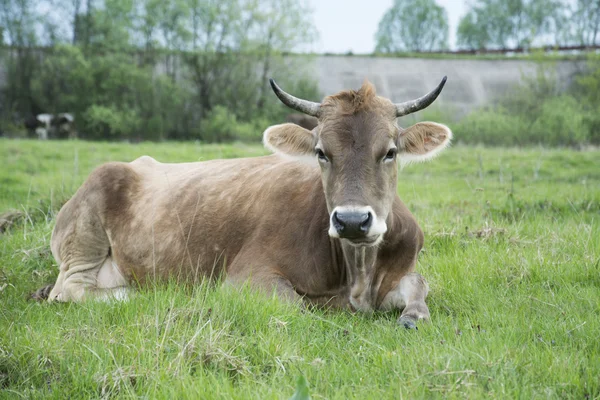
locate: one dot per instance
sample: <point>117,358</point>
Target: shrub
<point>494,127</point>
<point>222,125</point>
<point>591,121</point>
<point>536,113</point>
<point>109,123</point>
<point>560,123</point>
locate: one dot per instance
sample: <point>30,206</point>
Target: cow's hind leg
<point>81,247</point>
<point>92,280</point>
<point>409,296</point>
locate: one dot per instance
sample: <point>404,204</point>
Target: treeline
<point>198,69</point>
<point>422,25</point>
<point>152,69</point>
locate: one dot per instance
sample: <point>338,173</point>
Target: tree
<point>232,40</point>
<point>20,25</point>
<point>509,23</point>
<point>584,28</point>
<point>472,34</point>
<point>419,25</point>
<point>153,68</point>
<point>283,25</point>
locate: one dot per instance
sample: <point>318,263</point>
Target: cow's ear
<point>290,139</point>
<point>423,141</point>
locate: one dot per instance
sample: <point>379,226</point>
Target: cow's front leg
<point>409,296</point>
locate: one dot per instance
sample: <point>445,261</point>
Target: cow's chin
<point>365,242</point>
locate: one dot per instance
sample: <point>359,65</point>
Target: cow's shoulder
<point>112,188</point>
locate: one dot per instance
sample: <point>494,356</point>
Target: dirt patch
<point>42,293</point>
<point>487,232</point>
<point>8,218</point>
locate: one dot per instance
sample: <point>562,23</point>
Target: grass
<point>512,254</point>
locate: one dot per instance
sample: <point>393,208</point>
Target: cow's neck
<point>360,270</point>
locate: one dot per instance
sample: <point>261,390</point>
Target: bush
<point>222,125</point>
<point>591,121</point>
<point>11,129</point>
<point>494,127</point>
<point>587,88</point>
<point>536,113</point>
<point>560,123</point>
<point>108,123</point>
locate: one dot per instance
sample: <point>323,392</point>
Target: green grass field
<point>512,254</point>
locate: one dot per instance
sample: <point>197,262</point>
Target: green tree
<point>472,34</point>
<point>282,25</point>
<point>509,23</point>
<point>154,69</point>
<point>419,25</point>
<point>113,25</point>
<point>584,27</point>
<point>64,81</point>
<point>20,24</point>
<point>230,40</point>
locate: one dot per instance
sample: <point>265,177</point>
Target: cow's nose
<point>352,224</point>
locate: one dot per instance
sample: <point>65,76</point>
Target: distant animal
<point>64,126</point>
<point>318,221</point>
<point>50,126</point>
<point>306,121</point>
<point>35,128</point>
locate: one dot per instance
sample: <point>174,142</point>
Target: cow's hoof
<point>42,293</point>
<point>408,322</point>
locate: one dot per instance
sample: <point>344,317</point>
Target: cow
<point>317,222</point>
<point>38,126</point>
<point>63,126</point>
<point>305,121</point>
<point>48,126</point>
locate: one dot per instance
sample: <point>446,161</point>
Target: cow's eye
<point>391,155</point>
<point>322,157</point>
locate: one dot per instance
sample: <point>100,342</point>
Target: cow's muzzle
<point>352,224</point>
<point>359,225</point>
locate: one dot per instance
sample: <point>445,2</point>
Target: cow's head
<point>358,146</point>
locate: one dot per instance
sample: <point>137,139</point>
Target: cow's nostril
<point>337,222</point>
<point>366,222</point>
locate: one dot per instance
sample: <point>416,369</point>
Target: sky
<point>350,25</point>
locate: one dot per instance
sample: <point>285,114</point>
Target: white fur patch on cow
<point>118,294</point>
<point>109,276</point>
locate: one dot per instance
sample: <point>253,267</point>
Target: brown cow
<point>331,231</point>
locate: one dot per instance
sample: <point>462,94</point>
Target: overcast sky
<point>345,25</point>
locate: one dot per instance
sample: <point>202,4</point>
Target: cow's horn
<point>304,106</point>
<point>409,107</point>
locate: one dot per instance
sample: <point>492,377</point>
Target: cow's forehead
<point>357,117</point>
<point>367,127</point>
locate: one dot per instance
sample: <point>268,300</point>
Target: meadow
<point>512,255</point>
